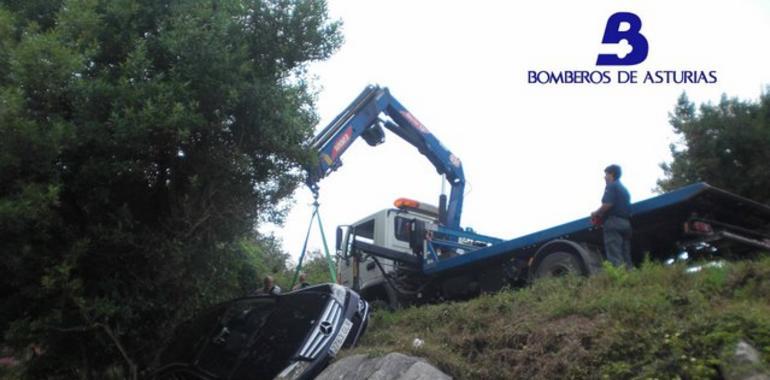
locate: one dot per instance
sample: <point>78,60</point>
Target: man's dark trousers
<point>617,241</point>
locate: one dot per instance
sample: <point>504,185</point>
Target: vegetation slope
<point>654,322</point>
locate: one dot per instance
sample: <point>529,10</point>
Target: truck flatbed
<point>657,227</point>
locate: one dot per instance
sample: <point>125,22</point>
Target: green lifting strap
<point>332,272</point>
<point>329,261</point>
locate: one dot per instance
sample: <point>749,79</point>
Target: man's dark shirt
<point>617,195</point>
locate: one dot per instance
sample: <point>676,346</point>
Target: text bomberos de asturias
<point>622,77</point>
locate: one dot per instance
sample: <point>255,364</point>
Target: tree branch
<point>131,365</point>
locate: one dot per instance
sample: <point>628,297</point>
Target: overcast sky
<point>533,154</point>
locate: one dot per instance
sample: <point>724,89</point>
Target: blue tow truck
<point>417,252</point>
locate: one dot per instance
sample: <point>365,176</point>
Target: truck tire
<point>558,264</point>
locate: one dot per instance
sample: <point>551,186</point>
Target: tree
<point>725,145</point>
<point>266,258</point>
<point>141,142</point>
<point>316,267</point>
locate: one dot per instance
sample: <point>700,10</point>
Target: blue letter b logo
<point>613,35</point>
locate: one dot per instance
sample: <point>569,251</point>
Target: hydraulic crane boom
<point>374,108</point>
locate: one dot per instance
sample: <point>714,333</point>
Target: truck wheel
<point>558,264</point>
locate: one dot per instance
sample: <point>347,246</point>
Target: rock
<point>393,366</point>
<point>744,363</point>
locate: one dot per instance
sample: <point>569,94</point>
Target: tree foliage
<point>141,142</point>
<point>316,267</point>
<point>725,145</point>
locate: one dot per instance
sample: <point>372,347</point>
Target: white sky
<point>533,155</point>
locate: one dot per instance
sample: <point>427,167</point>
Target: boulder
<point>744,363</point>
<point>393,366</point>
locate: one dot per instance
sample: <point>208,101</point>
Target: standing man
<point>302,284</point>
<point>269,287</point>
<point>616,213</point>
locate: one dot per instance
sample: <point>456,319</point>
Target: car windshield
<point>250,338</point>
<point>283,335</point>
<point>191,336</point>
<point>235,328</point>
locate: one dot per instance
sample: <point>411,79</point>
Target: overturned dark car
<point>289,336</point>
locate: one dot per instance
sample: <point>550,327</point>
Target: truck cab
<point>389,229</point>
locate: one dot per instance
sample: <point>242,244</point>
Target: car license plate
<point>344,330</point>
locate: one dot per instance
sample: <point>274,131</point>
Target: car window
<point>248,338</point>
<point>191,336</point>
<point>248,315</point>
<point>237,325</point>
<point>283,334</point>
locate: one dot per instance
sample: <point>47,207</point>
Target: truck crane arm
<point>373,109</point>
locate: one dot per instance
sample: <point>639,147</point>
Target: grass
<point>654,322</point>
